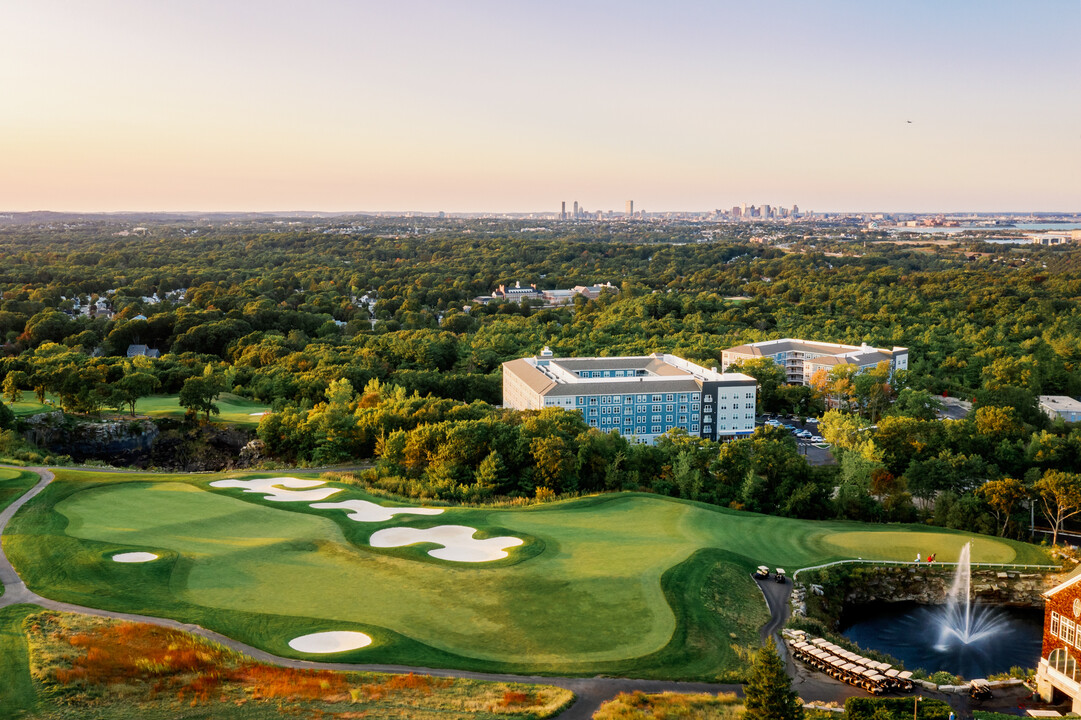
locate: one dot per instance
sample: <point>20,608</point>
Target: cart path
<point>590,692</point>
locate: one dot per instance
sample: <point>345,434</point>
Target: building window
<point>669,419</point>
<point>593,400</point>
<point>683,397</point>
<point>656,398</point>
<point>694,407</point>
<point>1068,635</point>
<point>1054,623</point>
<point>694,428</point>
<point>1061,660</point>
<point>656,429</point>
<point>641,430</point>
<point>669,397</point>
<point>694,397</point>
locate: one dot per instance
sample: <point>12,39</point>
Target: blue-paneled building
<point>639,396</point>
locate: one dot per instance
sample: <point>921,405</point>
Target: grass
<point>629,584</point>
<point>17,693</point>
<point>671,706</point>
<point>14,484</point>
<point>92,667</point>
<point>234,410</point>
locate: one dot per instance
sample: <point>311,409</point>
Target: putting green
<point>599,582</point>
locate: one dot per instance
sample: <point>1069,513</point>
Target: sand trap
<point>457,541</point>
<point>134,557</point>
<point>364,511</point>
<point>330,642</point>
<point>270,487</point>
<point>259,414</point>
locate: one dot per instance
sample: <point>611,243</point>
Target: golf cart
<point>779,577</point>
<point>979,691</point>
<point>762,573</point>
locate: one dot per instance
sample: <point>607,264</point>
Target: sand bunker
<point>457,541</point>
<point>330,642</point>
<point>364,511</point>
<point>270,487</point>
<point>259,414</point>
<point>134,557</point>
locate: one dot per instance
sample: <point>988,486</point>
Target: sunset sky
<point>515,106</point>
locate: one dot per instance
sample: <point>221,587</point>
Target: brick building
<point>1058,674</point>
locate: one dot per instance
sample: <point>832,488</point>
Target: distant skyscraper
<point>630,208</point>
<point>743,210</point>
<point>766,212</point>
<point>795,210</point>
<point>563,211</point>
<point>737,211</point>
<point>575,209</point>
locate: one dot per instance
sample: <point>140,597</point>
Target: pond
<point>913,634</point>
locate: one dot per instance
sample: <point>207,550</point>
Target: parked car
<point>817,439</point>
<point>806,434</point>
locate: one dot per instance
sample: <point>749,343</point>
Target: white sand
<point>259,414</point>
<point>134,557</point>
<point>457,541</point>
<point>270,487</point>
<point>364,511</point>
<point>330,642</point>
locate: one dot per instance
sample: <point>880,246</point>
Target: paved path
<point>590,692</point>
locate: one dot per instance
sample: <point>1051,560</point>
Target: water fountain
<point>962,623</point>
<point>962,637</point>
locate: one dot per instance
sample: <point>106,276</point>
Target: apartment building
<point>639,396</point>
<point>801,359</point>
<point>1058,677</point>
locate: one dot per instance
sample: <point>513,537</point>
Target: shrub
<point>857,708</point>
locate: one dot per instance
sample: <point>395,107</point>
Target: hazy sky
<point>515,106</point>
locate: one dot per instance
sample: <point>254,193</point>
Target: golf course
<point>622,584</point>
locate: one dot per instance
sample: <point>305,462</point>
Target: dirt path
<point>590,692</point>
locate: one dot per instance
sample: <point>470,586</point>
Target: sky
<point>513,106</point>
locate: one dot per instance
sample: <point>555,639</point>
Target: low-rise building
<point>639,396</point>
<point>1057,674</point>
<point>801,359</point>
<point>1061,407</point>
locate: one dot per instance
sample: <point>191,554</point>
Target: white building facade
<point>641,397</point>
<point>801,359</point>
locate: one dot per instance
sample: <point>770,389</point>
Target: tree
<point>1003,496</point>
<point>133,386</point>
<point>199,393</point>
<point>1060,496</point>
<point>769,694</point>
<point>14,382</point>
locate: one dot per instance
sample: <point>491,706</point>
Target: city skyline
<point>496,107</point>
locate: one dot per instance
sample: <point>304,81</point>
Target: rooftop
<point>1060,403</point>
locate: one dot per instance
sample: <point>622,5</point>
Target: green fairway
<point>624,583</point>
<point>13,483</point>
<point>234,410</point>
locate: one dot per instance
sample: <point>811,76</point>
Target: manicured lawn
<point>14,483</point>
<point>626,583</point>
<point>234,410</point>
<point>29,405</point>
<point>17,694</point>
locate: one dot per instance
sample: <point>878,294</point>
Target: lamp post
<point>916,706</point>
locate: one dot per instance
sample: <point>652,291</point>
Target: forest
<point>369,343</point>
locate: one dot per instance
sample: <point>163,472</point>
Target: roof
<point>772,347</point>
<point>531,376</point>
<point>1070,579</point>
<point>1060,403</point>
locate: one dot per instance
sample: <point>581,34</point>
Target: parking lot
<point>817,453</point>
